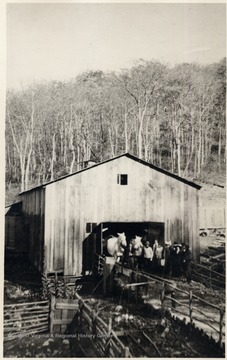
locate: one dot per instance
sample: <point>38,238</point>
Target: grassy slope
<point>212,196</point>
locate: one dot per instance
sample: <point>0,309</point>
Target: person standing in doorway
<point>155,261</point>
<point>147,256</point>
<point>176,260</point>
<point>159,256</point>
<point>186,263</point>
<point>167,256</point>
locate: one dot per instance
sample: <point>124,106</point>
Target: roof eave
<point>165,172</point>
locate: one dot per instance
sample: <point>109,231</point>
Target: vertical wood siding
<point>14,237</point>
<point>33,204</point>
<point>95,196</point>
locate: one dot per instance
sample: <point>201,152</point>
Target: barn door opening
<point>149,230</point>
<point>94,243</point>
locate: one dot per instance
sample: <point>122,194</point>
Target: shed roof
<point>128,155</point>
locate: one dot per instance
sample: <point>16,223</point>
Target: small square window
<point>90,227</point>
<point>122,179</point>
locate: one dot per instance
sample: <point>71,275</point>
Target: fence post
<point>108,342</point>
<point>221,326</point>
<point>108,275</point>
<point>125,352</point>
<point>80,303</point>
<point>174,304</point>
<point>190,305</point>
<point>52,313</point>
<point>210,278</point>
<point>97,265</point>
<point>136,287</point>
<point>129,290</point>
<point>45,260</point>
<point>93,317</point>
<point>163,294</point>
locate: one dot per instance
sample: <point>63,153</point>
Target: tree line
<point>173,117</point>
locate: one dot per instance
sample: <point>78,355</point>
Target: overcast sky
<point>58,41</point>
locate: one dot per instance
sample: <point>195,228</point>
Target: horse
<point>137,245</point>
<point>136,251</point>
<point>116,245</point>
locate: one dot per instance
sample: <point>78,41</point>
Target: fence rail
<point>25,318</point>
<point>191,307</point>
<point>98,264</point>
<point>208,277</point>
<point>106,344</point>
<point>182,302</point>
<point>107,341</point>
<point>62,313</point>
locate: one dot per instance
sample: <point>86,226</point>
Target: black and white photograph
<point>115,180</point>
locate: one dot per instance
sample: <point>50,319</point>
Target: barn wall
<point>14,237</point>
<point>33,204</point>
<point>95,196</point>
<point>14,233</point>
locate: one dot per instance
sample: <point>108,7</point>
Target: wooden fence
<point>98,264</point>
<point>208,277</point>
<point>25,318</point>
<point>106,340</point>
<point>205,315</point>
<point>62,313</point>
<point>180,302</point>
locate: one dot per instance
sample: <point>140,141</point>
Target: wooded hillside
<point>171,117</point>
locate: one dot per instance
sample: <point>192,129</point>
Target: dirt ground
<point>37,345</point>
<point>212,196</point>
<point>175,341</point>
<point>169,338</point>
<point>209,241</point>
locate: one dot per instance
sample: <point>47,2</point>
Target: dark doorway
<point>94,243</point>
<point>152,230</point>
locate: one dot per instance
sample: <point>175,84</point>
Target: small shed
<point>64,218</point>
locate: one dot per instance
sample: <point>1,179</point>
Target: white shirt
<point>148,252</point>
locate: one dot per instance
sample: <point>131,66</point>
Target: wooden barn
<point>64,219</point>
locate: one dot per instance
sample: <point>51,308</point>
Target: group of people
<point>173,259</point>
<point>180,260</point>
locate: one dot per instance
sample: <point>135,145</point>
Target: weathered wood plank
<point>67,212</point>
<point>66,306</point>
<point>28,321</point>
<point>61,321</point>
<point>95,196</point>
<point>28,305</point>
<point>12,335</point>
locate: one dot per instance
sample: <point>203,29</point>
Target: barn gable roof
<point>128,155</point>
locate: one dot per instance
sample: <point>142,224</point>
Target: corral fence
<point>165,295</point>
<point>25,318</point>
<point>98,264</point>
<point>57,317</point>
<point>208,277</point>
<point>62,313</point>
<point>106,340</point>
